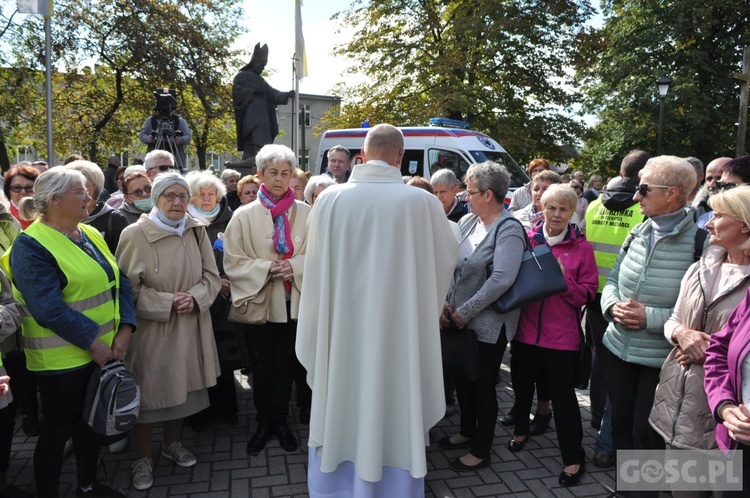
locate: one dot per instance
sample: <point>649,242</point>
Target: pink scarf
<point>282,230</point>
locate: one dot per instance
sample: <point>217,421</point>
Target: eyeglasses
<point>141,192</point>
<point>721,185</point>
<point>171,197</point>
<point>643,188</point>
<point>163,167</point>
<point>469,193</point>
<point>17,189</point>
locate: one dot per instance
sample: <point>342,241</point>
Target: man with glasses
<point>158,161</point>
<point>609,220</point>
<point>709,189</point>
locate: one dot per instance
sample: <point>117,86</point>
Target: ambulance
<point>445,144</point>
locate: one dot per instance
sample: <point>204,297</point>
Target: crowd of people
<point>173,274</point>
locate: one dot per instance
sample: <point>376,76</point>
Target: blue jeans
<point>604,443</point>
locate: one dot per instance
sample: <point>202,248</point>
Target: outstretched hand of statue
<point>291,94</point>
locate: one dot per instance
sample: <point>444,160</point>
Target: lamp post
<point>663,85</point>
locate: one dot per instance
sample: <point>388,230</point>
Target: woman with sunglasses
<point>136,190</point>
<point>168,257</point>
<point>640,294</point>
<point>735,173</point>
<point>17,184</point>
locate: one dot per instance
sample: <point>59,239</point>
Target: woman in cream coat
<point>264,245</point>
<point>168,258</point>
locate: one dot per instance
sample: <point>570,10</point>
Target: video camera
<point>166,102</point>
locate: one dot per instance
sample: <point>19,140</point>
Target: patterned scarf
<point>282,231</point>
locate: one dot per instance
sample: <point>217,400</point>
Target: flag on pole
<point>34,6</point>
<point>299,46</point>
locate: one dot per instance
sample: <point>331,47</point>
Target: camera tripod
<point>164,138</point>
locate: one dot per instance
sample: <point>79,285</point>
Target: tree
<point>503,66</point>
<point>697,44</point>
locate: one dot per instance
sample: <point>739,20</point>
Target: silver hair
<point>229,173</point>
<point>490,175</point>
<point>55,181</point>
<point>672,171</point>
<point>131,170</point>
<point>273,154</point>
<point>205,179</point>
<point>314,183</point>
<point>445,177</point>
<point>151,157</point>
<point>92,172</point>
<point>697,164</point>
<point>562,193</point>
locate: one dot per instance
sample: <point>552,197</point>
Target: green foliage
<point>697,44</point>
<point>501,65</point>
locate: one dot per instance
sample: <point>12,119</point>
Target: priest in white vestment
<point>380,255</point>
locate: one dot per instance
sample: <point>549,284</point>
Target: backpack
<point>112,402</point>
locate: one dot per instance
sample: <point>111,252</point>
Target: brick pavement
<point>224,470</point>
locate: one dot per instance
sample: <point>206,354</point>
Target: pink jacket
<point>723,366</point>
<point>555,322</point>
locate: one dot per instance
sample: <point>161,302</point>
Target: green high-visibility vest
<point>606,230</point>
<point>88,291</point>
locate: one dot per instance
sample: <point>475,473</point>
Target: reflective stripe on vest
<point>607,230</point>
<point>88,291</point>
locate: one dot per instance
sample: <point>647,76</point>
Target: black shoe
<point>540,423</point>
<point>571,479</point>
<point>596,422</point>
<point>446,444</point>
<point>30,425</point>
<point>287,441</point>
<point>515,445</point>
<point>459,466</point>
<point>508,420</point>
<point>603,460</point>
<point>304,416</point>
<point>259,440</point>
<point>99,489</point>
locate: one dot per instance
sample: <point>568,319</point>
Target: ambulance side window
<point>413,163</point>
<point>440,159</point>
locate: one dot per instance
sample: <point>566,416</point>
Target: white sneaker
<point>179,454</point>
<point>143,476</point>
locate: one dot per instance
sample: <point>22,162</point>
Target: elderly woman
<point>583,204</point>
<point>264,252</point>
<point>469,305</point>
<point>248,187</point>
<point>710,290</point>
<point>593,188</point>
<point>523,196</point>
<point>18,183</point>
<point>548,337</point>
<point>168,257</point>
<point>80,315</point>
<point>532,213</point>
<point>316,186</point>
<point>104,218</point>
<point>640,294</point>
<point>137,197</point>
<point>209,205</point>
<point>298,184</point>
<point>231,179</point>
<point>445,186</point>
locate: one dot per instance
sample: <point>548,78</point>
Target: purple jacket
<point>723,366</point>
<point>554,323</point>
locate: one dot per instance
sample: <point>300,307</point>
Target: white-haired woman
<point>316,186</point>
<point>445,186</point>
<point>168,257</point>
<point>231,179</point>
<point>548,337</point>
<point>210,206</point>
<point>80,315</point>
<point>264,245</point>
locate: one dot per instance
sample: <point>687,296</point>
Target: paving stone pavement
<point>224,470</point>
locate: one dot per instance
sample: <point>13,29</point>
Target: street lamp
<point>663,85</point>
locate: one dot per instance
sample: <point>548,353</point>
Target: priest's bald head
<point>384,142</point>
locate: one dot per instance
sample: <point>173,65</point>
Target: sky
<point>272,22</point>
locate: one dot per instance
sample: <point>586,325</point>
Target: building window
<point>304,161</point>
<point>308,116</point>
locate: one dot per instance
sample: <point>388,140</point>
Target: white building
<point>314,106</point>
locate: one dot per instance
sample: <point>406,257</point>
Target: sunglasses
<point>724,185</point>
<point>644,188</point>
<point>17,189</point>
<point>141,192</point>
<point>163,167</point>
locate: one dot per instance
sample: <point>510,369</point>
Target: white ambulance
<point>430,148</point>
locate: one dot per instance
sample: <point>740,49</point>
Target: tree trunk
<point>4,159</point>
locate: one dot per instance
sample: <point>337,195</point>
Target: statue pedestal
<point>245,167</point>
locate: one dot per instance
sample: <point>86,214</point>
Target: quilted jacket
<point>681,414</point>
<point>651,277</point>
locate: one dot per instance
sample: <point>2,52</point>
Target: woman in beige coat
<point>168,257</point>
<point>264,252</point>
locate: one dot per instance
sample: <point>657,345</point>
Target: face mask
<point>207,214</point>
<point>144,204</point>
<point>166,220</point>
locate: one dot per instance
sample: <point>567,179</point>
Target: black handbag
<point>460,353</point>
<point>539,277</point>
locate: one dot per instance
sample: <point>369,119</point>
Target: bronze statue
<point>255,105</point>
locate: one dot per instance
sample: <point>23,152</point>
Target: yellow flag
<point>299,46</point>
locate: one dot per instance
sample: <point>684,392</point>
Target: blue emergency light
<point>449,123</point>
